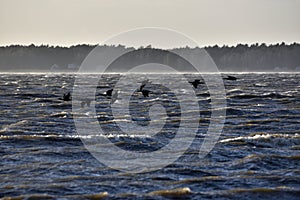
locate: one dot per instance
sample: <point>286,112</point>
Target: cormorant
<point>67,97</point>
<point>110,95</point>
<point>144,92</point>
<point>231,78</point>
<point>195,83</point>
<point>109,92</point>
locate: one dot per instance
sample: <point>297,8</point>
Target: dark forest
<point>241,58</point>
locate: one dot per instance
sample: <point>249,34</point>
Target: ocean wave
<point>272,95</point>
<point>267,139</point>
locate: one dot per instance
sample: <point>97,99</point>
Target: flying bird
<point>109,92</point>
<point>231,78</point>
<point>195,83</point>
<point>66,97</point>
<point>143,91</point>
<point>111,95</point>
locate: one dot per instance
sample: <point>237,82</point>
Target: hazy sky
<point>209,22</point>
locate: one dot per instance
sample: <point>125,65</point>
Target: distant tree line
<point>256,57</point>
<point>278,57</point>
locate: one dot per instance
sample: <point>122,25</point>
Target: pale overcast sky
<point>209,22</point>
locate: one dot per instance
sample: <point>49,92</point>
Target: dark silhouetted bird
<point>231,78</point>
<point>144,92</point>
<point>111,95</point>
<point>67,97</point>
<point>109,92</point>
<point>195,83</point>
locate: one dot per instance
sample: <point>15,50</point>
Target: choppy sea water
<point>256,157</point>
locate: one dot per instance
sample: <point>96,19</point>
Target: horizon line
<point>93,45</point>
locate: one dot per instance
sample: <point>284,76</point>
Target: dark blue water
<point>256,157</point>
